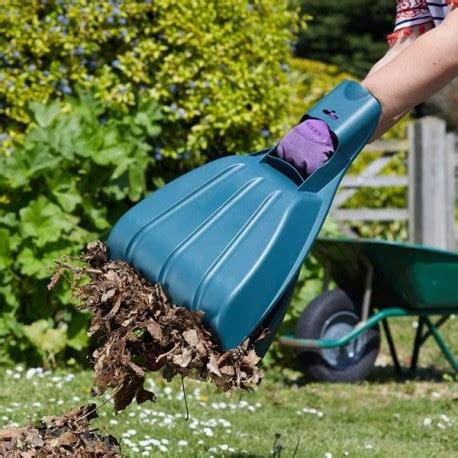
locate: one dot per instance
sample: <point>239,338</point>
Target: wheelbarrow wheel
<point>331,316</point>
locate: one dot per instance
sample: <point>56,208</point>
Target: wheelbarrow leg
<point>417,345</point>
<point>367,292</point>
<point>392,348</point>
<point>441,342</point>
<point>326,277</point>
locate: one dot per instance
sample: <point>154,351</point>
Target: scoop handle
<point>352,113</point>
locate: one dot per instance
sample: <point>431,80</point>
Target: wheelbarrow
<point>337,336</point>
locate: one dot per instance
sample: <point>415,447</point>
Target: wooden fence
<point>431,183</point>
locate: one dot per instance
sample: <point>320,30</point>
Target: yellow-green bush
<point>215,66</point>
<point>311,80</point>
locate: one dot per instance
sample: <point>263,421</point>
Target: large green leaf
<point>137,183</point>
<point>42,160</point>
<point>98,216</point>
<point>77,336</point>
<point>46,339</point>
<point>144,120</point>
<point>64,134</point>
<point>9,219</point>
<point>44,115</point>
<point>5,251</point>
<point>9,293</point>
<point>68,196</point>
<point>15,170</point>
<point>32,265</point>
<point>111,154</point>
<point>45,221</point>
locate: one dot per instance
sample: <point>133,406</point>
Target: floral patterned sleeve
<point>418,16</point>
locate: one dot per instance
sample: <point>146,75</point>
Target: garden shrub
<point>216,66</point>
<point>72,166</point>
<point>72,178</point>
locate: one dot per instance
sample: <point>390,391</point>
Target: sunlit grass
<point>382,417</point>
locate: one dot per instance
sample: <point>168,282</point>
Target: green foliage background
<point>103,102</point>
<point>214,66</point>
<point>66,185</point>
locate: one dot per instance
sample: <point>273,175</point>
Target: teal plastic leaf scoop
<point>229,237</point>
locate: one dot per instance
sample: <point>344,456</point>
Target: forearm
<point>421,69</point>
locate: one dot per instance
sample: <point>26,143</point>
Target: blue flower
<point>173,107</point>
<point>46,72</point>
<point>66,89</point>
<point>32,67</point>
<point>110,20</point>
<point>122,21</point>
<point>173,88</point>
<point>116,63</point>
<point>157,154</point>
<point>265,132</point>
<point>79,51</point>
<point>62,19</point>
<point>181,113</point>
<point>205,101</point>
<point>192,84</point>
<point>284,67</point>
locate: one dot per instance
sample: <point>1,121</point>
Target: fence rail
<point>431,182</point>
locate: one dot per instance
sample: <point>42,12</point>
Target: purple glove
<point>307,146</point>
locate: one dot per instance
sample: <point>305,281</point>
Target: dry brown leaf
<point>68,435</point>
<point>154,329</point>
<point>139,329</point>
<point>191,337</point>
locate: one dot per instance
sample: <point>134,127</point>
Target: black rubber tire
<point>310,325</point>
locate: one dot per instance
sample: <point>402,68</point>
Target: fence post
<point>451,198</point>
<point>431,177</point>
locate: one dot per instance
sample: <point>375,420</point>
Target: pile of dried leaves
<point>140,330</point>
<point>68,435</point>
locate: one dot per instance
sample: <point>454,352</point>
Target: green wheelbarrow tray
<point>390,279</point>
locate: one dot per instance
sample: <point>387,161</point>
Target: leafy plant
<point>216,66</point>
<point>79,168</point>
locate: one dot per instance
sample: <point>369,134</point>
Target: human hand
<point>307,146</point>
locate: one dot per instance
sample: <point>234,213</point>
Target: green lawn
<point>378,418</point>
